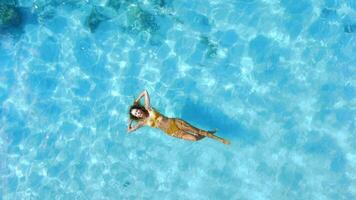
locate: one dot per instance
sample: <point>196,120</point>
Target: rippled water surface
<point>276,78</point>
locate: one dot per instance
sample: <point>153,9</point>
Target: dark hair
<point>137,106</point>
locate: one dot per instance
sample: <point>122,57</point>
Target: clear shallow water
<point>277,78</point>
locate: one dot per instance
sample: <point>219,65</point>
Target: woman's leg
<point>185,126</point>
<point>186,136</point>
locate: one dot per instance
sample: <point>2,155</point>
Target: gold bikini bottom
<point>173,128</point>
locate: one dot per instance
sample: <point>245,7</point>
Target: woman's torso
<point>157,120</point>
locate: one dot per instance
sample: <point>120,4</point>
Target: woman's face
<point>137,113</point>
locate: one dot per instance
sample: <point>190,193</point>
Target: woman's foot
<point>225,141</point>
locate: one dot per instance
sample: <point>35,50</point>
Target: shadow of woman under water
<point>209,118</point>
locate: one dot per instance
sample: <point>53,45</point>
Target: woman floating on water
<point>146,115</point>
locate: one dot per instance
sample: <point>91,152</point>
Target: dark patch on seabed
<point>211,47</point>
<point>137,20</point>
<point>95,17</point>
<point>141,20</point>
<point>126,184</point>
<point>115,4</point>
<point>13,17</point>
<point>350,28</point>
<point>212,118</point>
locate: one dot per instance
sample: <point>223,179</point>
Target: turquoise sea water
<point>277,78</point>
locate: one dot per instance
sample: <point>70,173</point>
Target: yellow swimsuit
<point>155,117</point>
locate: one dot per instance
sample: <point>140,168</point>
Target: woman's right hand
<point>129,129</point>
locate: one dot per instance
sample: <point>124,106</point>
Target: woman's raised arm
<point>135,127</point>
<point>147,99</point>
